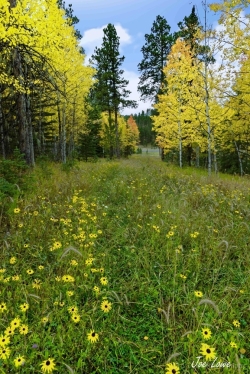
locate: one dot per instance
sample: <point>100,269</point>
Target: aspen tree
<point>175,122</point>
<point>155,51</point>
<point>40,39</point>
<point>233,41</point>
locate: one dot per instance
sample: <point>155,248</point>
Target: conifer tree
<point>155,51</point>
<point>110,88</point>
<point>191,32</point>
<point>89,138</point>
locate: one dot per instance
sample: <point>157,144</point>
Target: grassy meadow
<point>130,266</point>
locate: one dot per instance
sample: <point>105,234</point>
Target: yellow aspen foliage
<point>237,128</point>
<point>233,37</point>
<point>229,4</point>
<point>181,118</point>
<point>128,133</point>
<point>233,42</point>
<point>107,133</point>
<point>46,46</point>
<point>176,124</point>
<point>40,32</point>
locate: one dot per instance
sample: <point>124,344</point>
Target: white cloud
<point>93,38</point>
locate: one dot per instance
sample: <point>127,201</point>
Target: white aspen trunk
<point>30,132</point>
<point>63,134</point>
<point>30,141</point>
<point>18,71</point>
<point>2,124</point>
<point>209,153</point>
<point>40,147</point>
<point>24,144</point>
<point>118,155</point>
<point>72,135</point>
<point>209,133</point>
<point>180,139</point>
<point>59,151</point>
<point>110,136</point>
<point>180,143</point>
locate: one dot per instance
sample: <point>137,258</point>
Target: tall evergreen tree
<point>155,51</point>
<point>88,143</point>
<point>110,88</point>
<point>189,33</point>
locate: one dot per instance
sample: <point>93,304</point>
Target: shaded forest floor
<point>127,267</point>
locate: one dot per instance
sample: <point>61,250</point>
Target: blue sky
<point>132,19</point>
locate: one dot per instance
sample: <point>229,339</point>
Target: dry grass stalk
<point>67,250</point>
<point>210,302</point>
<point>174,355</point>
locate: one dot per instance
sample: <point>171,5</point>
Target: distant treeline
<point>144,124</point>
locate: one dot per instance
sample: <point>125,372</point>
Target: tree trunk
<point>39,143</point>
<point>215,163</point>
<point>59,127</point>
<point>72,136</point>
<point>111,148</point>
<point>2,129</point>
<point>24,144</point>
<point>55,149</point>
<point>197,161</point>
<point>180,139</point>
<point>117,136</point>
<point>63,134</point>
<point>189,152</point>
<point>239,158</point>
<point>30,133</point>
<point>71,145</point>
<point>209,132</point>
<point>180,144</point>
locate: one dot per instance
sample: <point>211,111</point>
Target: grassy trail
<point>127,267</point>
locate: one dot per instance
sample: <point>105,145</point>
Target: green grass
<point>157,234</point>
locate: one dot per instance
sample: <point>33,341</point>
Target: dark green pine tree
<point>155,51</point>
<point>188,32</point>
<point>89,140</point>
<point>110,91</point>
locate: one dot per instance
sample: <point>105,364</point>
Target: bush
<point>14,176</point>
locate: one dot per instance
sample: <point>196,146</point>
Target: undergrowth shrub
<point>15,179</point>
<point>13,173</point>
